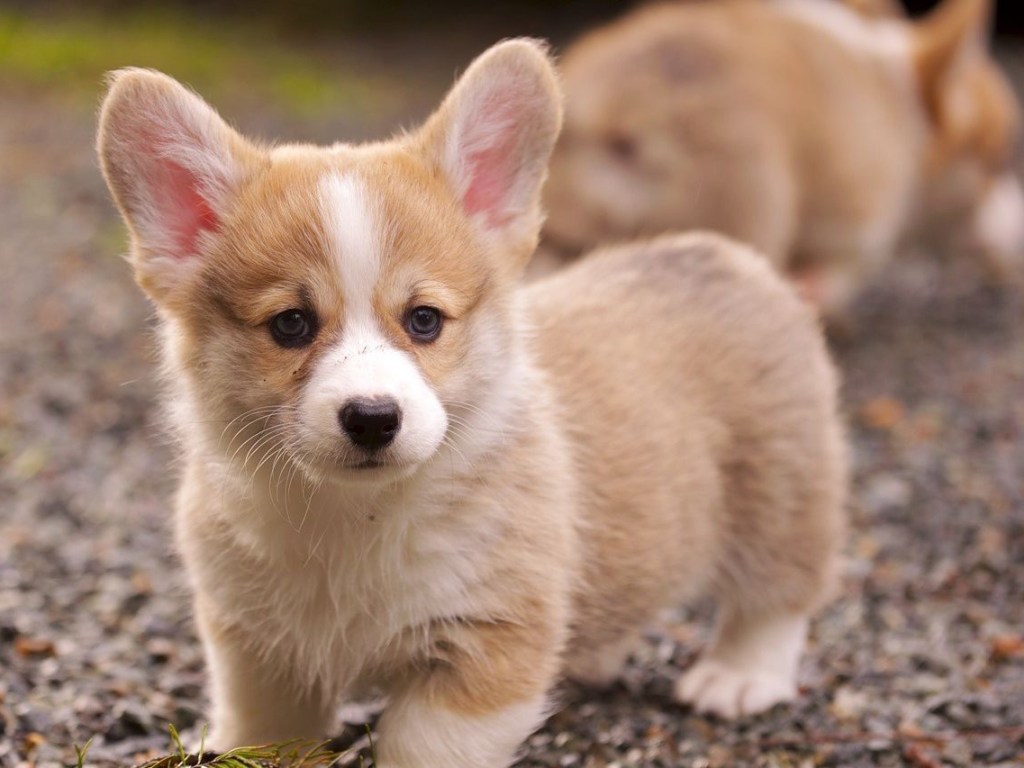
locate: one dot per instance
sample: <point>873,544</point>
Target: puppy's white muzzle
<point>367,371</point>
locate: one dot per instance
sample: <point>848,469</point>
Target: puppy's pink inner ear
<point>492,167</point>
<point>185,211</point>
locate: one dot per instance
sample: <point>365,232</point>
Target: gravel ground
<point>920,662</point>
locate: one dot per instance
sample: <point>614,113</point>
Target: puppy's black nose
<point>371,424</point>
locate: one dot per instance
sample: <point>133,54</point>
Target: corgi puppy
<point>827,136</point>
<point>406,474</point>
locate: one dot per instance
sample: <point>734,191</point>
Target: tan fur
<point>656,422</point>
<point>814,139</point>
<point>877,8</point>
<point>971,104</point>
<point>713,441</point>
<point>482,667</point>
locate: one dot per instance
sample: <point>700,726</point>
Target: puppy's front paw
<point>721,689</point>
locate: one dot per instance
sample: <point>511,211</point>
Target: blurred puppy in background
<point>825,133</point>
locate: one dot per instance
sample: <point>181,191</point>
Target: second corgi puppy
<point>404,473</point>
<point>826,136</point>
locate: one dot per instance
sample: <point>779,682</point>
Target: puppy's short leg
<point>254,701</point>
<point>831,290</point>
<point>417,731</point>
<point>752,665</point>
<point>835,271</point>
<point>780,559</point>
<point>482,698</point>
<point>768,587</point>
<point>600,667</point>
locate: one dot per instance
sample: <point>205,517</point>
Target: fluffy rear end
<point>703,403</point>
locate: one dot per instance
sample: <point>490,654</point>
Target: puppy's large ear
<point>947,39</point>
<point>492,139</point>
<point>172,165</point>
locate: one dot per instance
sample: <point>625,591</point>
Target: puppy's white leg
<point>603,666</point>
<point>254,699</point>
<point>751,666</point>
<point>418,731</point>
<point>483,692</point>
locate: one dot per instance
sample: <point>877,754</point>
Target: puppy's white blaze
<point>999,222</point>
<point>352,225</point>
<point>364,364</point>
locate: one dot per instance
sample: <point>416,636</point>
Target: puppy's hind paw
<point>712,686</point>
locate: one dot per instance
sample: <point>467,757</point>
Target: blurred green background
<point>310,57</point>
<point>359,64</point>
<point>297,52</point>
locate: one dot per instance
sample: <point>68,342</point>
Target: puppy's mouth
<point>358,470</point>
<point>369,463</point>
<point>372,466</point>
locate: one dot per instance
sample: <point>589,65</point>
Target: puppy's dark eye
<point>292,328</point>
<point>423,323</point>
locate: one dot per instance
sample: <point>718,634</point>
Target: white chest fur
<point>352,583</point>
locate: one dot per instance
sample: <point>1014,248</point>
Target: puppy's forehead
<point>352,195</point>
<point>354,233</point>
<point>271,239</point>
<point>346,222</point>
